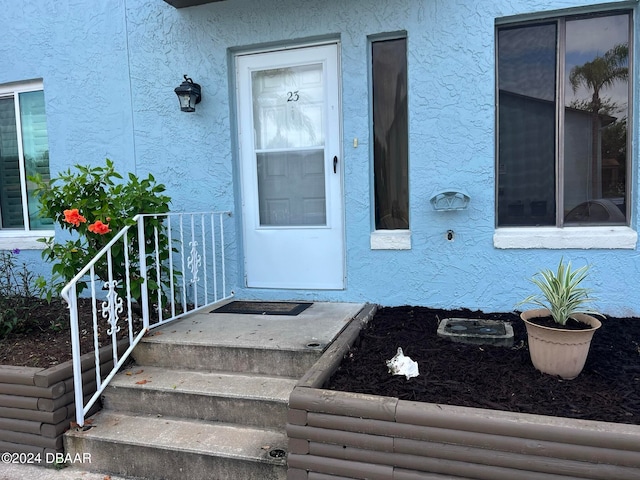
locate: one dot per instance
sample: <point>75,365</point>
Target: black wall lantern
<point>189,94</point>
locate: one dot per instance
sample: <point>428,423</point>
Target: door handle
<point>335,164</point>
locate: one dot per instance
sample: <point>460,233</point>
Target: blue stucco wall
<point>109,71</point>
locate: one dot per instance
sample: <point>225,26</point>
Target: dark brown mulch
<point>499,378</point>
<point>47,339</point>
<point>450,373</point>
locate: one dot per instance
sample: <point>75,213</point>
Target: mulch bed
<point>46,340</point>
<point>499,378</point>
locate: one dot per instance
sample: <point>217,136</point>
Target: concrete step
<point>170,448</point>
<point>246,399</point>
<point>207,398</point>
<point>266,344</point>
<point>228,359</point>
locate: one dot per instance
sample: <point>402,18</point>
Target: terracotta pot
<point>558,351</point>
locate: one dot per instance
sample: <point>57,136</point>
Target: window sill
<point>391,240</point>
<point>10,240</point>
<point>568,237</point>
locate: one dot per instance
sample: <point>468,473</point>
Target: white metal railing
<point>171,265</point>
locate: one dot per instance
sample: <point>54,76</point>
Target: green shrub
<point>16,294</point>
<point>93,204</point>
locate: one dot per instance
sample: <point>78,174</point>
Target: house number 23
<point>293,96</point>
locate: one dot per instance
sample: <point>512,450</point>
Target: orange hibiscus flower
<point>73,217</point>
<point>99,227</point>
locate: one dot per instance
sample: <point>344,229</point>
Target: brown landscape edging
<point>37,404</point>
<point>357,436</point>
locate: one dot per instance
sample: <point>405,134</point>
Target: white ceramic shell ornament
<point>401,365</point>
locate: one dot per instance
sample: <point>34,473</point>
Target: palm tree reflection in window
<point>608,133</point>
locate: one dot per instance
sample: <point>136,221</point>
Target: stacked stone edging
<point>37,404</point>
<point>355,436</point>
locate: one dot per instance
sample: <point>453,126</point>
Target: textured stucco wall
<point>109,70</point>
<point>78,48</point>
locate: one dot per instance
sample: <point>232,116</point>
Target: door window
<point>289,145</point>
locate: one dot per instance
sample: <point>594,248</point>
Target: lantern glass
<point>187,102</point>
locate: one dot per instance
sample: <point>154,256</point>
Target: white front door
<point>290,168</point>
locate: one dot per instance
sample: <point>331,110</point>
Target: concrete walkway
<point>33,472</point>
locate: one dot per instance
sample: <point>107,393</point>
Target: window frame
<point>24,238</point>
<point>560,236</point>
<point>387,239</point>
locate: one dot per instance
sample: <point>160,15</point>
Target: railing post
<point>75,350</point>
<point>144,292</point>
<point>224,273</point>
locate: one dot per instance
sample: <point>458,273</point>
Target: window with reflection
<point>24,152</point>
<point>563,116</point>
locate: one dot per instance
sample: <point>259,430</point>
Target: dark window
<point>390,134</point>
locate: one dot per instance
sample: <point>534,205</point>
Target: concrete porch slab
<point>316,327</point>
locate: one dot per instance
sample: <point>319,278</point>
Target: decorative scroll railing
<point>151,273</point>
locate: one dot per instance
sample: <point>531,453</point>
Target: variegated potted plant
<point>560,332</point>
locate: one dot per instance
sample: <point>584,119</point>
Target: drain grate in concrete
<point>477,331</point>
